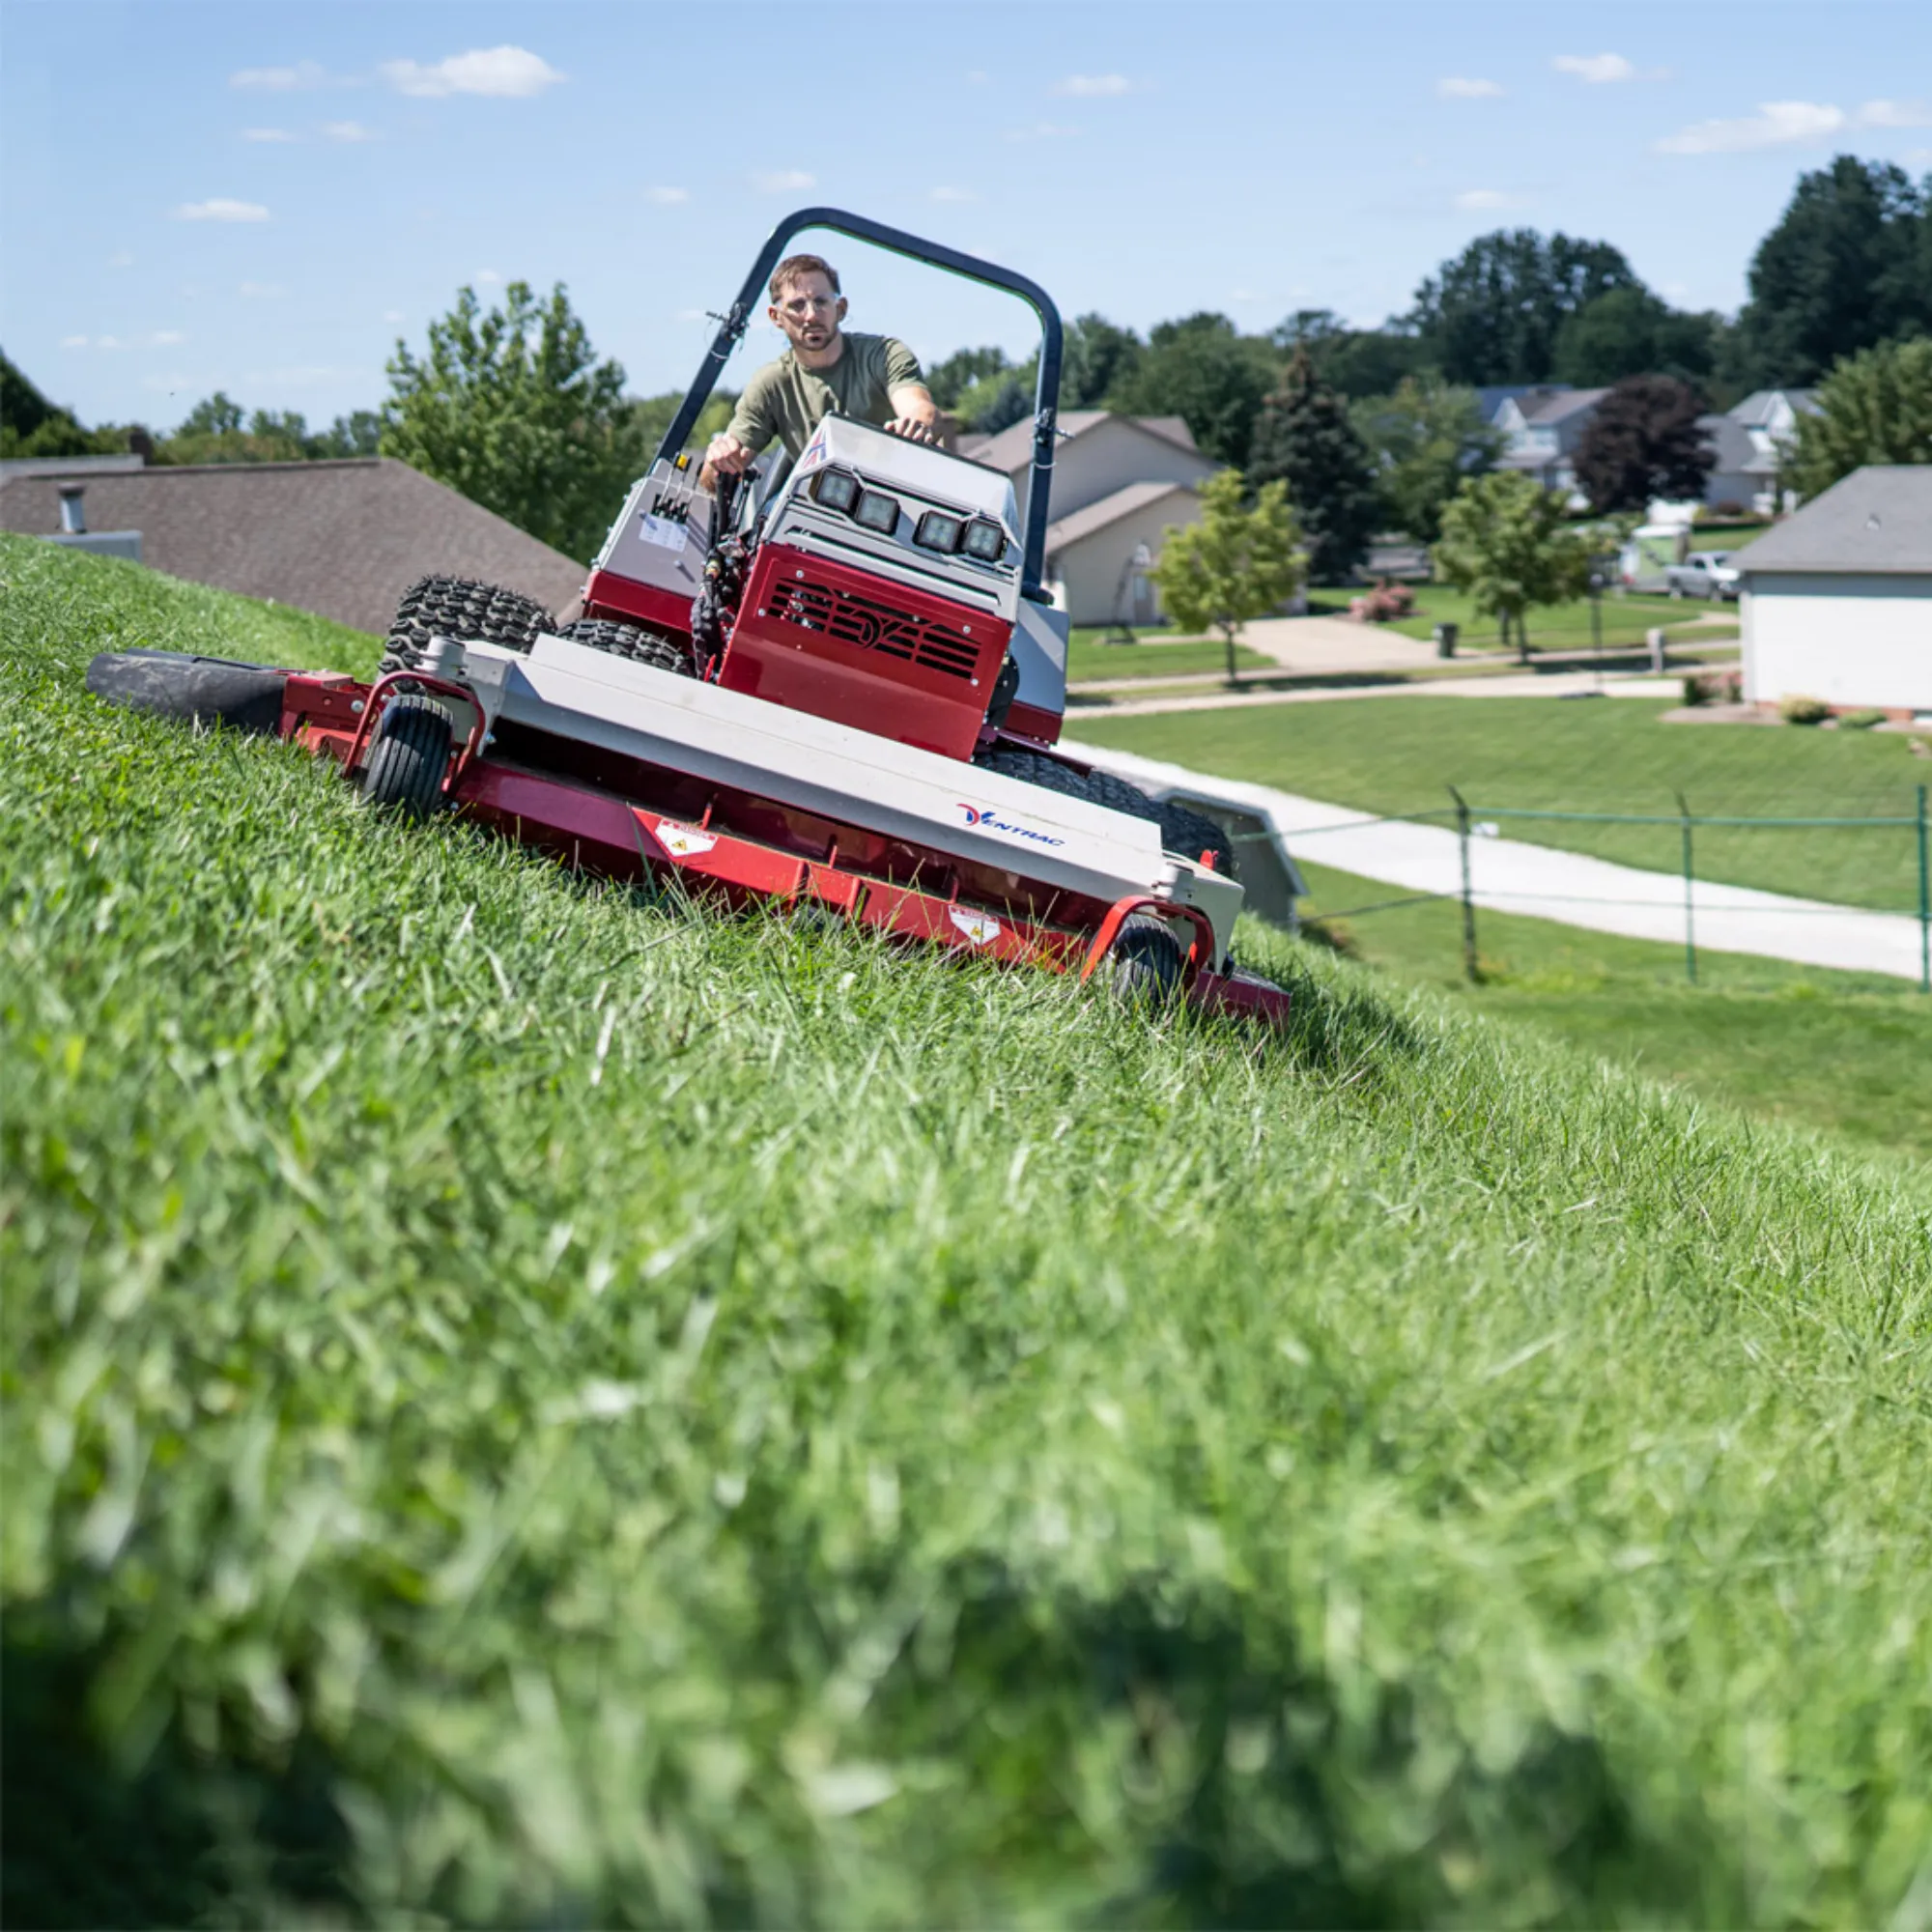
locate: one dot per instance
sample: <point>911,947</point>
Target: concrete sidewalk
<point>1541,882</point>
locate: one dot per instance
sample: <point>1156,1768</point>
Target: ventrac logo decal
<point>814,453</point>
<point>976,816</point>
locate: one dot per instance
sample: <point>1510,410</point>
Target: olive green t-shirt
<point>786,401</point>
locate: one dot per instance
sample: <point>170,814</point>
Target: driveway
<point>1541,882</point>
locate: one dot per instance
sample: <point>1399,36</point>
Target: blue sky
<point>263,198</point>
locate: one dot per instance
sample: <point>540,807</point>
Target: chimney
<point>74,519</point>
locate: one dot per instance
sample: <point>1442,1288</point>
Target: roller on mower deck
<point>839,685</point>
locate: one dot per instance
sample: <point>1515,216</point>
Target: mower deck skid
<point>631,771</point>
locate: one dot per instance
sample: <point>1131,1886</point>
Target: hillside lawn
<point>1152,656</point>
<point>1626,620</point>
<point>1844,1052</point>
<point>527,1403</point>
<point>1581,755</point>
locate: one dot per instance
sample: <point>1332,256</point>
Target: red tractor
<point>837,683</point>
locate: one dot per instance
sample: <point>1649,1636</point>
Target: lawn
<point>525,1404</point>
<point>1566,627</point>
<point>1399,755</point>
<point>1844,1052</point>
<point>1088,658</point>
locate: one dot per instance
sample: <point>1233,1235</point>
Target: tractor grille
<point>868,625</point>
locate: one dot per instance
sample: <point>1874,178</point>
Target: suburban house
<point>1836,600</point>
<point>1120,483</point>
<point>342,538</point>
<point>1543,428</point>
<point>1769,418</point>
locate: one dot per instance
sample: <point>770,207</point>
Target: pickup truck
<point>1704,573</point>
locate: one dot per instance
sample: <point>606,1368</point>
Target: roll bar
<point>1046,393</point>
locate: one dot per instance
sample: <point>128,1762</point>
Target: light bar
<point>985,541</point>
<point>877,511</point>
<point>835,488</point>
<point>938,531</point>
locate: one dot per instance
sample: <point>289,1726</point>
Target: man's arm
<point>735,449</point>
<point>914,414</point>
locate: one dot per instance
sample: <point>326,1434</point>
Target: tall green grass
<point>527,1403</point>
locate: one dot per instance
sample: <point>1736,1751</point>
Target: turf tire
<point>1188,832</point>
<point>1192,832</point>
<point>405,769</point>
<point>461,608</point>
<point>1145,965</point>
<point>630,642</point>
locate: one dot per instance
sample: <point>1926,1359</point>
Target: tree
<point>1872,408</point>
<point>1644,440</point>
<point>1491,315</point>
<point>1097,357</point>
<point>950,379</point>
<point>1305,440</point>
<point>646,418</point>
<point>32,426</point>
<point>1423,441</point>
<point>1204,370</point>
<point>1632,332</point>
<point>1240,562</point>
<point>513,408</point>
<point>1844,269</point>
<point>1505,542</point>
<point>1355,362</point>
<point>357,434</point>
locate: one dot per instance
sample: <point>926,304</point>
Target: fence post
<point>1924,903</point>
<point>1470,971</point>
<point>1689,923</point>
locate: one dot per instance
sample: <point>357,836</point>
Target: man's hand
<point>913,429</point>
<point>726,456</point>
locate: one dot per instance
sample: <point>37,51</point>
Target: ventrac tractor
<point>839,686</point>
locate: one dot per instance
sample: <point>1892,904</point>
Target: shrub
<point>1803,710</point>
<point>1714,687</point>
<point>1385,602</point>
<point>1695,691</point>
<point>1860,721</point>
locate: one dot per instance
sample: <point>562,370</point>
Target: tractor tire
<point>1145,964</point>
<point>405,768</point>
<point>631,641</point>
<point>192,689</point>
<point>458,607</point>
<point>1187,832</point>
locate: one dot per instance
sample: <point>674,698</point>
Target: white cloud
<point>303,75</point>
<point>266,134</point>
<point>782,181</point>
<point>73,342</point>
<point>121,260</point>
<point>1596,68</point>
<point>262,291</point>
<point>1474,200</point>
<point>392,315</point>
<point>953,194</point>
<point>1041,130</point>
<point>1093,86</point>
<point>222,209</point>
<point>1244,296</point>
<point>1893,114</point>
<point>507,74</point>
<point>667,197</point>
<point>347,130</point>
<point>488,279</point>
<point>1775,124</point>
<point>1454,88</point>
<point>166,338</point>
<point>111,342</point>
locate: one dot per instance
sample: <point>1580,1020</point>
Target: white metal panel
<point>1847,640</point>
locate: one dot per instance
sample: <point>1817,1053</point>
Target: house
<point>1120,483</point>
<point>1836,600</point>
<point>1543,428</point>
<point>1769,418</point>
<point>1735,480</point>
<point>344,538</point>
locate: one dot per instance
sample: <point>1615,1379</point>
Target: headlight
<point>835,488</point>
<point>985,541</point>
<point>938,531</point>
<point>877,511</point>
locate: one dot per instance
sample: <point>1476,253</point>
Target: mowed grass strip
<point>1398,755</point>
<point>1090,658</point>
<point>521,1403</point>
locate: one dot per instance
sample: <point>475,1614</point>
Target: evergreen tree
<point>1305,440</point>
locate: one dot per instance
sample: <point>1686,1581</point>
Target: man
<point>872,379</point>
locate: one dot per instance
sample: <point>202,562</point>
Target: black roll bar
<point>1046,392</point>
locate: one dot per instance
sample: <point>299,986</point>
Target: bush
<point>1714,687</point>
<point>1384,604</point>
<point>1860,721</point>
<point>1803,710</point>
<point>1696,692</point>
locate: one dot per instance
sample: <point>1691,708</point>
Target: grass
<point>524,1403</point>
<point>1088,658</point>
<point>1844,1052</point>
<point>1566,627</point>
<point>1597,755</point>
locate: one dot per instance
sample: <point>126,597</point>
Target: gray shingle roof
<point>1012,449</point>
<point>1731,442</point>
<point>1877,520</point>
<point>1123,502</point>
<point>1565,405</point>
<point>344,538</point>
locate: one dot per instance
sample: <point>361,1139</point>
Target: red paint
<point>624,599</point>
<point>818,636</point>
<point>1031,725</point>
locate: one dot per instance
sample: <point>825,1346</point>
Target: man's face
<point>809,311</point>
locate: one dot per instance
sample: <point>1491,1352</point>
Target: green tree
<point>1632,332</point>
<point>1872,408</point>
<point>1644,439</point>
<point>950,379</point>
<point>648,418</point>
<point>1504,541</point>
<point>1097,358</point>
<point>1423,441</point>
<point>357,434</point>
<point>1205,371</point>
<point>513,408</point>
<point>1305,440</point>
<point>1848,266</point>
<point>32,426</point>
<point>1240,562</point>
<point>1356,363</point>
<point>1494,312</point>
